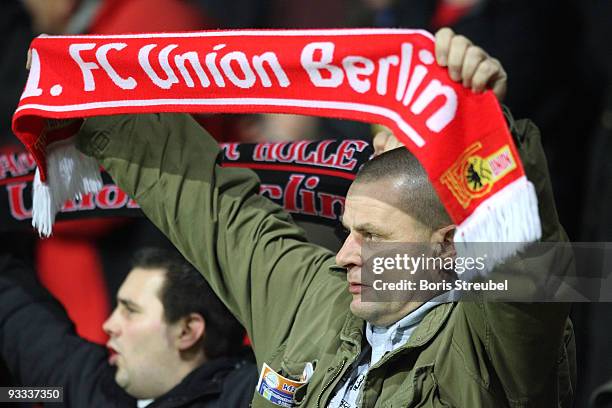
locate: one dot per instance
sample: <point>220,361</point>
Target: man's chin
<point>377,313</point>
<point>121,378</point>
<point>356,304</point>
<point>361,309</point>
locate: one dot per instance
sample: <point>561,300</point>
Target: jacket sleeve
<point>255,258</point>
<point>523,340</point>
<point>40,347</point>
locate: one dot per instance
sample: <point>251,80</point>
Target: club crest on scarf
<point>472,176</point>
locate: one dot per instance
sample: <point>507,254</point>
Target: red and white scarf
<point>386,76</point>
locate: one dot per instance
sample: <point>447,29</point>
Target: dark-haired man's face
<point>369,216</point>
<point>140,341</point>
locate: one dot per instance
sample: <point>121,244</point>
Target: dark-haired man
<point>172,342</point>
<point>303,317</point>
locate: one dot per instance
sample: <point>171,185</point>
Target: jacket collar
<point>430,325</point>
<point>205,381</point>
<point>353,329</point>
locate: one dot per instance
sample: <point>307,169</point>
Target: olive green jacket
<point>294,302</point>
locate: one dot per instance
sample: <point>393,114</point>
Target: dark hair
<point>185,291</point>
<point>416,195</point>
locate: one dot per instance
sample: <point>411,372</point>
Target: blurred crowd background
<point>558,55</point>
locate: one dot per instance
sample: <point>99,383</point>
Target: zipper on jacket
<point>331,380</point>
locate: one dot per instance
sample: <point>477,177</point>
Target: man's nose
<point>350,253</point>
<point>110,326</point>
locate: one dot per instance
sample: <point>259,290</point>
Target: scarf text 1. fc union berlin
<point>386,76</point>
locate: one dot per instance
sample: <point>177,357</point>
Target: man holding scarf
<point>306,322</point>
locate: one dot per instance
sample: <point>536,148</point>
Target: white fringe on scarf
<point>70,174</point>
<point>508,221</point>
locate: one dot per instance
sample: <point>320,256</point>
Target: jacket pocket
<point>294,371</point>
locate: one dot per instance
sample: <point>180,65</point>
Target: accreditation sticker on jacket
<point>276,388</point>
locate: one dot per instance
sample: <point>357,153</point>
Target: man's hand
<point>29,57</point>
<point>385,141</point>
<point>466,63</point>
<point>470,64</point>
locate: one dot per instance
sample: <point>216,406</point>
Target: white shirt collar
<point>142,403</point>
<point>386,339</point>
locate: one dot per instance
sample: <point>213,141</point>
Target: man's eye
<point>369,236</point>
<point>128,311</point>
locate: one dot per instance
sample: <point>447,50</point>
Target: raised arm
<point>255,258</point>
<point>529,343</point>
<point>40,347</point>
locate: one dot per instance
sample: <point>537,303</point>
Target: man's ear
<point>445,242</point>
<point>191,329</point>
